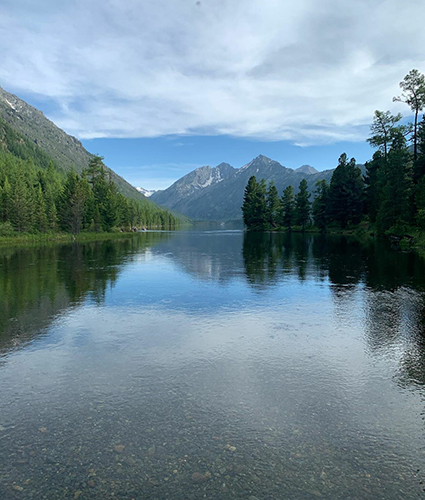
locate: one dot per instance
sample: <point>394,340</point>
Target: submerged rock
<point>197,477</point>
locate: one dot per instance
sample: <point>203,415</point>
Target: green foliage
<point>302,205</point>
<point>6,229</point>
<point>346,192</point>
<point>38,198</point>
<point>254,208</point>
<point>391,196</point>
<point>413,87</point>
<point>273,206</point>
<point>287,211</point>
<point>396,208</point>
<point>384,129</point>
<point>321,205</point>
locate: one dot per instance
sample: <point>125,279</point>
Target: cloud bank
<point>305,71</point>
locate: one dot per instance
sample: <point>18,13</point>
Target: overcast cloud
<point>307,71</point>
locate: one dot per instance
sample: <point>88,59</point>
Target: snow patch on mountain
<point>145,192</point>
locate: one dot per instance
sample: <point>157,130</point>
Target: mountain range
<point>217,193</point>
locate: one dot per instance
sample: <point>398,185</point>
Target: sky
<point>161,87</point>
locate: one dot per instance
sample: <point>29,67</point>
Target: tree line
<point>37,197</point>
<point>389,194</point>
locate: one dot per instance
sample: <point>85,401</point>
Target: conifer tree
<point>40,223</point>
<point>287,211</point>
<point>273,205</point>
<point>346,192</point>
<point>321,205</point>
<point>413,87</point>
<point>383,130</point>
<point>375,180</point>
<point>302,205</point>
<point>395,208</point>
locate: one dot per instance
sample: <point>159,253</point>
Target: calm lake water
<point>212,364</point>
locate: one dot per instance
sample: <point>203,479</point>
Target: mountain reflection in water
<point>212,364</point>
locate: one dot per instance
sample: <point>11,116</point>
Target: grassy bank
<point>52,238</point>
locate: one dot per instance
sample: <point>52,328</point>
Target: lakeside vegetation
<point>388,197</point>
<point>39,199</point>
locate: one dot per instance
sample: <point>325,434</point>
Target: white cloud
<point>306,71</point>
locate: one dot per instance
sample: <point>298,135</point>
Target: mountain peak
<point>263,158</point>
<point>307,169</point>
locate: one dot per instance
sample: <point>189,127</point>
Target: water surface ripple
<point>212,364</point>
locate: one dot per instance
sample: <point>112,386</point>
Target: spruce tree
<point>273,206</point>
<point>375,180</point>
<point>346,192</point>
<point>321,205</point>
<point>40,222</point>
<point>302,205</point>
<point>396,208</point>
<point>287,211</point>
<point>250,202</point>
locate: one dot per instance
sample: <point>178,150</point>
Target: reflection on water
<point>212,364</point>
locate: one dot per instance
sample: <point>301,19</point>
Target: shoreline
<point>53,238</point>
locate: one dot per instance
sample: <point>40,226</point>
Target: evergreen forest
<point>388,195</point>
<point>38,196</point>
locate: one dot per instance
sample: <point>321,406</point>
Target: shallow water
<point>212,364</point>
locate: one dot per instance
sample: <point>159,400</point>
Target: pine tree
<point>383,130</point>
<point>72,203</point>
<point>321,205</point>
<point>21,202</point>
<point>302,205</point>
<point>287,211</point>
<point>375,179</point>
<point>396,207</point>
<point>249,206</point>
<point>346,192</point>
<point>273,205</point>
<point>40,223</point>
<point>413,86</point>
<point>6,200</point>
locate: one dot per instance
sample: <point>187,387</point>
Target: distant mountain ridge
<point>146,192</point>
<point>217,193</point>
<point>65,150</point>
<point>193,185</point>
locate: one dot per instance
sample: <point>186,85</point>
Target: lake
<point>212,364</point>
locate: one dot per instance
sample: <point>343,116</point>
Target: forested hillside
<point>38,196</point>
<point>390,196</point>
<point>66,151</point>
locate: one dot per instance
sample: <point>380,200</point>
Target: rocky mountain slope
<point>66,151</point>
<point>217,193</point>
<point>187,190</point>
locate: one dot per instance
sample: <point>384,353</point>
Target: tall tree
<point>383,129</point>
<point>413,87</point>
<point>396,206</point>
<point>250,201</point>
<point>273,205</point>
<point>375,180</point>
<point>72,203</point>
<point>287,209</point>
<point>303,205</point>
<point>21,202</point>
<point>321,205</point>
<point>346,192</point>
<point>40,221</point>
